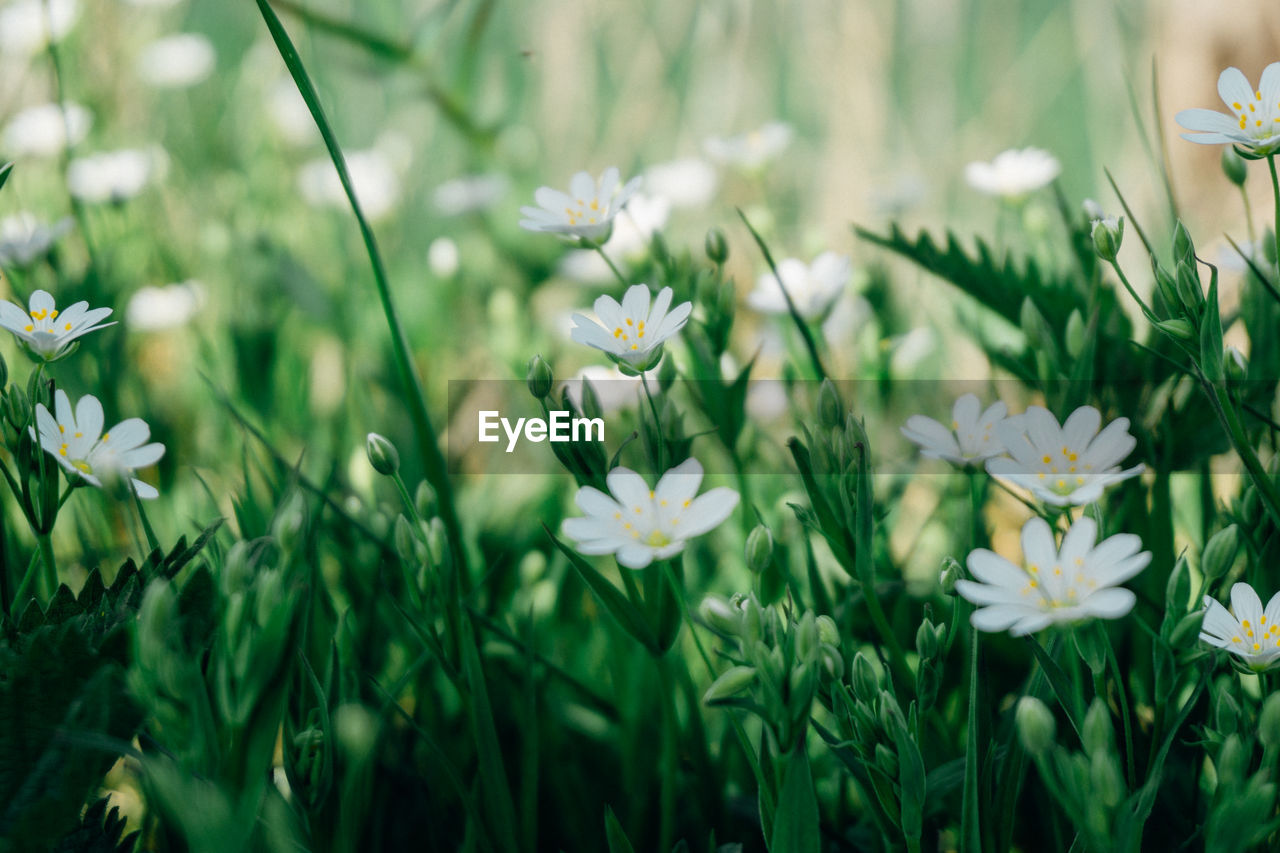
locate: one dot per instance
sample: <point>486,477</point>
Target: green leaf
<point>795,826</point>
<point>618,841</point>
<point>1211,335</point>
<point>614,602</point>
<point>1059,681</point>
<point>495,791</point>
<point>5,171</point>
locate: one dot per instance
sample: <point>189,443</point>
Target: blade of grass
<point>428,444</point>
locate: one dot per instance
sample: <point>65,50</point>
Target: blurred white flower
<point>690,182</point>
<point>376,183</point>
<point>1092,210</point>
<point>287,110</point>
<point>27,26</point>
<point>24,239</point>
<point>632,230</point>
<point>614,389</point>
<point>442,257</point>
<point>46,333</point>
<point>767,399</point>
<point>77,441</point>
<point>1254,122</point>
<point>470,193</point>
<point>1013,173</point>
<point>1250,632</point>
<point>633,332</point>
<point>44,130</point>
<point>1054,585</point>
<point>898,195</point>
<point>586,212</point>
<point>1067,465</point>
<point>971,438</point>
<point>750,150</point>
<point>908,351</point>
<point>812,287</point>
<point>639,525</point>
<point>155,309</point>
<point>176,61</point>
<point>115,176</point>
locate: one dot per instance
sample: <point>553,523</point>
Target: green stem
<point>1248,216</point>
<point>47,584</point>
<point>28,578</point>
<point>1225,406</point>
<point>618,273</point>
<point>1124,279</point>
<point>1124,708</point>
<point>970,819</point>
<point>657,426</point>
<point>670,752</point>
<point>1275,195</point>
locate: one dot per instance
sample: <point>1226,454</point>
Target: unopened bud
<point>1074,335</point>
<point>1096,732</point>
<point>1184,250</point>
<point>1220,553</point>
<point>759,549</point>
<point>830,409</point>
<point>1190,291</point>
<point>1237,367</point>
<point>716,246</point>
<point>732,682</point>
<point>720,615</point>
<point>1269,722</point>
<point>1178,328</point>
<point>927,641</point>
<point>828,633</point>
<point>1233,166</point>
<point>383,455</point>
<point>539,378</point>
<point>1107,236</point>
<point>405,541</point>
<point>1035,725</point>
<point>952,571</point>
<point>424,500</point>
<point>866,686</point>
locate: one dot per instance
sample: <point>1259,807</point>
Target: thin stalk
<point>1248,215</point>
<point>970,818</point>
<point>153,543</point>
<point>47,583</point>
<point>617,272</point>
<point>27,578</point>
<point>1275,196</point>
<point>1124,710</point>
<point>657,425</point>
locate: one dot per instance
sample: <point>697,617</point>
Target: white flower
<point>375,181</point>
<point>44,130</point>
<point>155,309</point>
<point>24,239</point>
<point>634,331</point>
<point>639,524</point>
<point>1254,122</point>
<point>288,111</point>
<point>81,447</point>
<point>750,150</point>
<point>586,212</point>
<point>1013,173</point>
<point>115,176</point>
<point>442,257</point>
<point>470,193</point>
<point>44,331</point>
<point>970,440</point>
<point>177,61</point>
<point>813,287</point>
<point>1066,465</point>
<point>27,26</point>
<point>1053,585</point>
<point>632,231</point>
<point>1251,633</point>
<point>690,182</point>
<point>1092,210</point>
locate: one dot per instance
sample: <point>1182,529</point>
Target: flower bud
<point>1178,328</point>
<point>866,685</point>
<point>716,246</point>
<point>1107,235</point>
<point>952,571</point>
<point>830,409</point>
<point>539,378</point>
<point>405,541</point>
<point>1074,334</point>
<point>1106,785</point>
<point>1184,250</point>
<point>1269,722</point>
<point>926,641</point>
<point>720,615</point>
<point>887,760</point>
<point>1092,209</point>
<point>1035,725</point>
<point>730,683</point>
<point>383,455</point>
<point>1096,731</point>
<point>1190,291</point>
<point>424,500</point>
<point>356,730</point>
<point>1233,761</point>
<point>1233,166</point>
<point>1219,553</point>
<point>1237,366</point>
<point>828,633</point>
<point>1165,285</point>
<point>806,635</point>
<point>759,549</point>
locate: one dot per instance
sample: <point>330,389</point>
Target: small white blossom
<point>586,212</point>
<point>288,112</point>
<point>155,309</point>
<point>752,150</point>
<point>77,441</point>
<point>690,182</point>
<point>633,332</point>
<point>1013,173</point>
<point>373,177</point>
<point>24,239</point>
<point>812,287</point>
<point>638,524</point>
<point>177,61</point>
<point>46,129</point>
<point>442,257</point>
<point>632,231</point>
<point>1254,122</point>
<point>44,331</point>
<point>1053,585</point>
<point>970,440</point>
<point>1249,631</point>
<point>470,194</point>
<point>1065,465</point>
<point>27,26</point>
<point>115,176</point>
